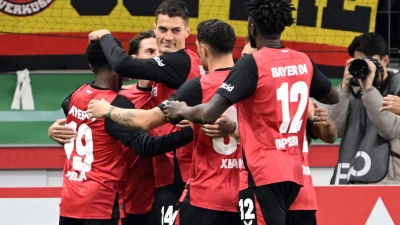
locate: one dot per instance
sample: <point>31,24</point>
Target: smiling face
<point>171,33</point>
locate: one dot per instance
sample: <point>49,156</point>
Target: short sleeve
<point>242,80</point>
<point>320,84</point>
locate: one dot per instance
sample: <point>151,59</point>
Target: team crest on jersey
<point>153,90</point>
<point>24,7</point>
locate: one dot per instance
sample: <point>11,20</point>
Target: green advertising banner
<point>29,127</point>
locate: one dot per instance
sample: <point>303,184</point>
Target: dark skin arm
<point>323,128</point>
<point>331,98</point>
<point>206,113</point>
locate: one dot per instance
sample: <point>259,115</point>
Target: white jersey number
<point>283,94</point>
<point>168,217</point>
<point>249,204</point>
<point>218,143</point>
<point>82,149</point>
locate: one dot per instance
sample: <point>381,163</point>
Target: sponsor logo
<point>159,61</point>
<point>227,87</point>
<point>24,7</point>
<point>346,170</point>
<point>154,92</point>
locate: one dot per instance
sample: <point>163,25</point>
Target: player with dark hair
<point>96,169</point>
<point>137,45</point>
<point>211,193</point>
<point>271,88</point>
<point>169,71</point>
<point>139,193</point>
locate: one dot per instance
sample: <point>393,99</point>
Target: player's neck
<point>106,80</point>
<point>222,61</point>
<point>274,42</point>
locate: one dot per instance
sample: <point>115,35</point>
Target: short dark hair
<point>173,8</point>
<point>134,44</point>
<point>370,44</point>
<point>271,16</point>
<point>95,56</point>
<point>217,34</point>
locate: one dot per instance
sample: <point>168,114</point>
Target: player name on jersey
<point>72,175</point>
<point>231,163</point>
<point>287,142</point>
<point>293,70</point>
<point>77,113</point>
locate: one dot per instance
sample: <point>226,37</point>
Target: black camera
<point>359,69</point>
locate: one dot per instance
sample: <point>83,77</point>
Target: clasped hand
<point>98,108</point>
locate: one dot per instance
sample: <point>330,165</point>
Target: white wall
<point>29,211</point>
<point>30,178</point>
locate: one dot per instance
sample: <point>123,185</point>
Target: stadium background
<point>50,43</point>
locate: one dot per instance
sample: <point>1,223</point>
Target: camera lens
<point>359,69</point>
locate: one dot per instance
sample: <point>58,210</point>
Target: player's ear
<point>204,50</point>
<point>91,68</point>
<point>187,31</point>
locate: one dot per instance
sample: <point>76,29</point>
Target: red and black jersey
<point>140,97</point>
<point>165,166</point>
<point>169,71</point>
<point>139,193</point>
<point>214,183</point>
<point>306,198</point>
<point>95,164</point>
<point>103,187</point>
<point>271,88</point>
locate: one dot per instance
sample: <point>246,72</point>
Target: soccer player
<point>319,125</point>
<point>139,193</point>
<point>169,71</point>
<point>212,191</point>
<point>271,88</point>
<point>95,169</point>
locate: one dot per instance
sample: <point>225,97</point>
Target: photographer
<point>370,147</point>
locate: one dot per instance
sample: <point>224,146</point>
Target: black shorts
<point>301,217</point>
<point>165,204</point>
<point>267,204</point>
<point>74,221</point>
<point>135,219</point>
<point>192,215</point>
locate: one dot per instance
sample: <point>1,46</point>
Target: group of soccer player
<point>238,161</point>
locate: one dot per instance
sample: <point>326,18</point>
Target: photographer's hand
<point>347,76</point>
<point>367,83</point>
<point>391,103</point>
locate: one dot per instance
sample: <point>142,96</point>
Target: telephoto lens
<point>359,69</point>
